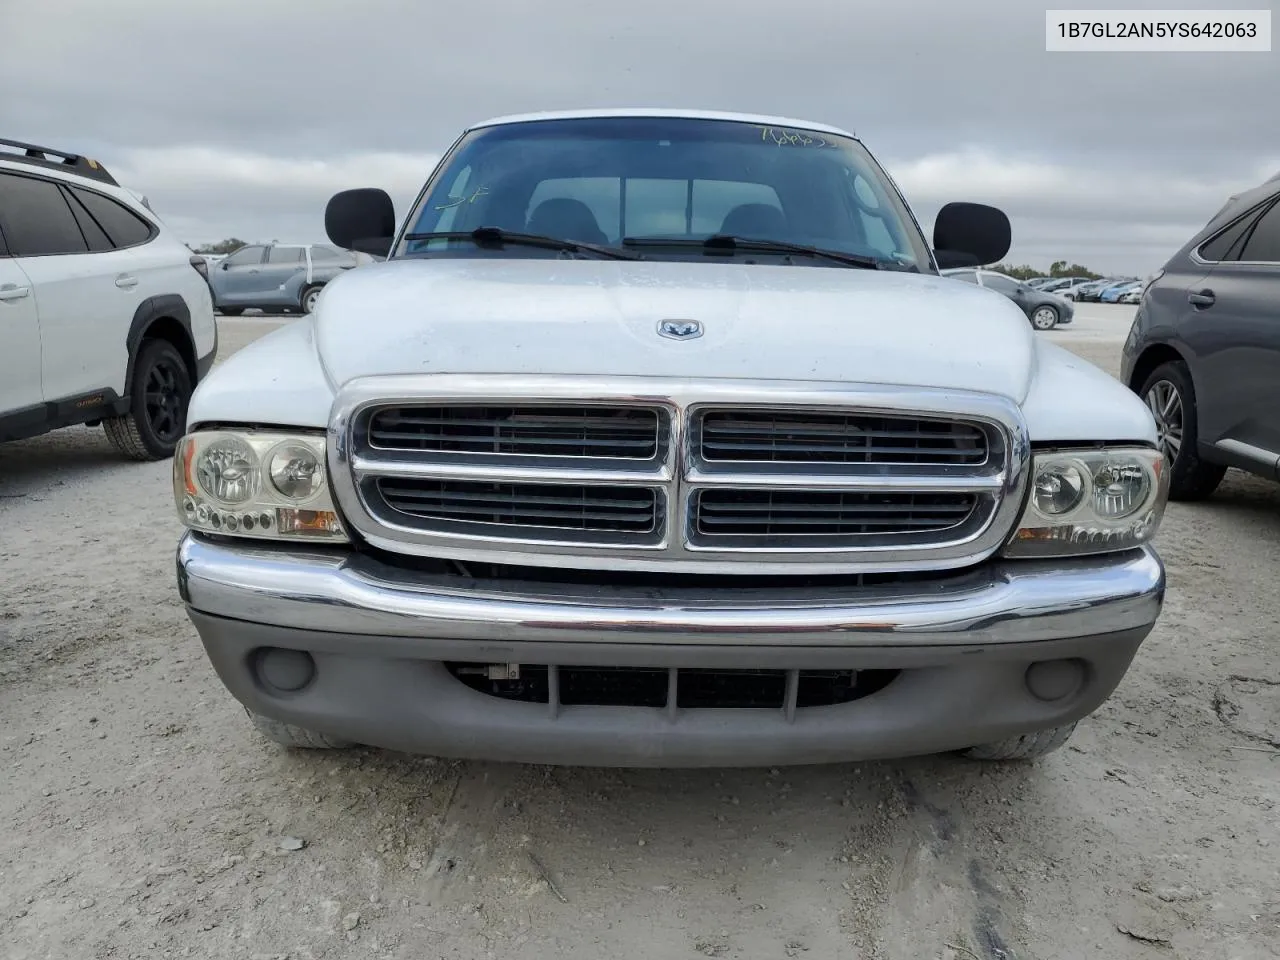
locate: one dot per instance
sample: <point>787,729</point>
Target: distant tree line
<point>1059,268</point>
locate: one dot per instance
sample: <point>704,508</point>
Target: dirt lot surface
<point>142,817</point>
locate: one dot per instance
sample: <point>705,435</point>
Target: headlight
<point>1091,501</point>
<point>248,483</point>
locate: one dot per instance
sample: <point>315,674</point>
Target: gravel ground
<point>143,818</point>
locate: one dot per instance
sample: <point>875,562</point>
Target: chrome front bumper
<point>380,638</point>
<point>336,593</point>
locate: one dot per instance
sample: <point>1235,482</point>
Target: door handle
<point>126,282</point>
<point>254,270</point>
<point>1204,298</point>
<point>11,291</point>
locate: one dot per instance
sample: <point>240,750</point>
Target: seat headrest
<point>566,219</point>
<point>755,221</point>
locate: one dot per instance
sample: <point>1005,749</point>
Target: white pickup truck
<point>659,440</point>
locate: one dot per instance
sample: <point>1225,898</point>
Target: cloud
<point>1038,186</point>
<point>207,193</point>
<point>1132,218</point>
<point>180,167</point>
<point>270,104</point>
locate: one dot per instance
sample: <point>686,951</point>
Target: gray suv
<point>1044,310</point>
<point>276,276</point>
<point>1204,349</point>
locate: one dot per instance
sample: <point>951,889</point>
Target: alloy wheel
<point>1165,404</point>
<point>1044,318</point>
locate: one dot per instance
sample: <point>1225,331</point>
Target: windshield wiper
<point>729,243</point>
<point>497,237</point>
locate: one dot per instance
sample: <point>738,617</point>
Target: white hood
<point>600,317</point>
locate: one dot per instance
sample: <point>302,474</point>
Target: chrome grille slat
<point>618,433</point>
<point>756,513</point>
<point>678,475</point>
<point>625,510</point>
<point>765,436</point>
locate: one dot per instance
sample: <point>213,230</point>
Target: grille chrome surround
<point>992,440</point>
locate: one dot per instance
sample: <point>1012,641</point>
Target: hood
<point>600,317</point>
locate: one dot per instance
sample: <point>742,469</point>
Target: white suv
<point>105,316</point>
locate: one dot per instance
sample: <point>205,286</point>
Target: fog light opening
<point>1051,680</point>
<point>285,671</point>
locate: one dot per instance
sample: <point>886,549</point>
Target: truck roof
<point>655,112</point>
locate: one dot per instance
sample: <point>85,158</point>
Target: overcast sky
<point>241,118</point>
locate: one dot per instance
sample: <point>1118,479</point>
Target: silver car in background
<point>277,277</point>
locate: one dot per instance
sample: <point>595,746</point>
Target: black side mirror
<point>970,235</point>
<point>224,265</point>
<point>363,220</point>
<point>949,259</point>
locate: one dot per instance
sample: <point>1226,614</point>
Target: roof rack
<point>46,157</point>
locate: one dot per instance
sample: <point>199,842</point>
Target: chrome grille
<point>571,431</point>
<point>523,509</point>
<point>803,437</point>
<point>677,475</point>
<point>827,517</point>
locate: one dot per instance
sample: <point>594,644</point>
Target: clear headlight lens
<point>1091,501</point>
<point>296,471</point>
<point>1058,489</point>
<point>250,483</point>
<point>227,470</point>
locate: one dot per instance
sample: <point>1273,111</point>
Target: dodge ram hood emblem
<point>680,329</point>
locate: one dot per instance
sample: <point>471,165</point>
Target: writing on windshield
<point>792,138</point>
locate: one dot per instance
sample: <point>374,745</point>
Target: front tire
<point>158,399</point>
<point>289,735</point>
<point>1031,746</point>
<point>309,297</point>
<point>1170,396</point>
<point>1044,317</point>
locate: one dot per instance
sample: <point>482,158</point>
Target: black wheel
<point>1044,317</point>
<point>309,297</point>
<point>159,394</point>
<point>1028,747</point>
<point>1172,400</point>
<point>231,311</point>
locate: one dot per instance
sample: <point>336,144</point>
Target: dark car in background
<point>1044,310</point>
<point>1204,348</point>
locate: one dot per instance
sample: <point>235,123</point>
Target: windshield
<point>604,180</point>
